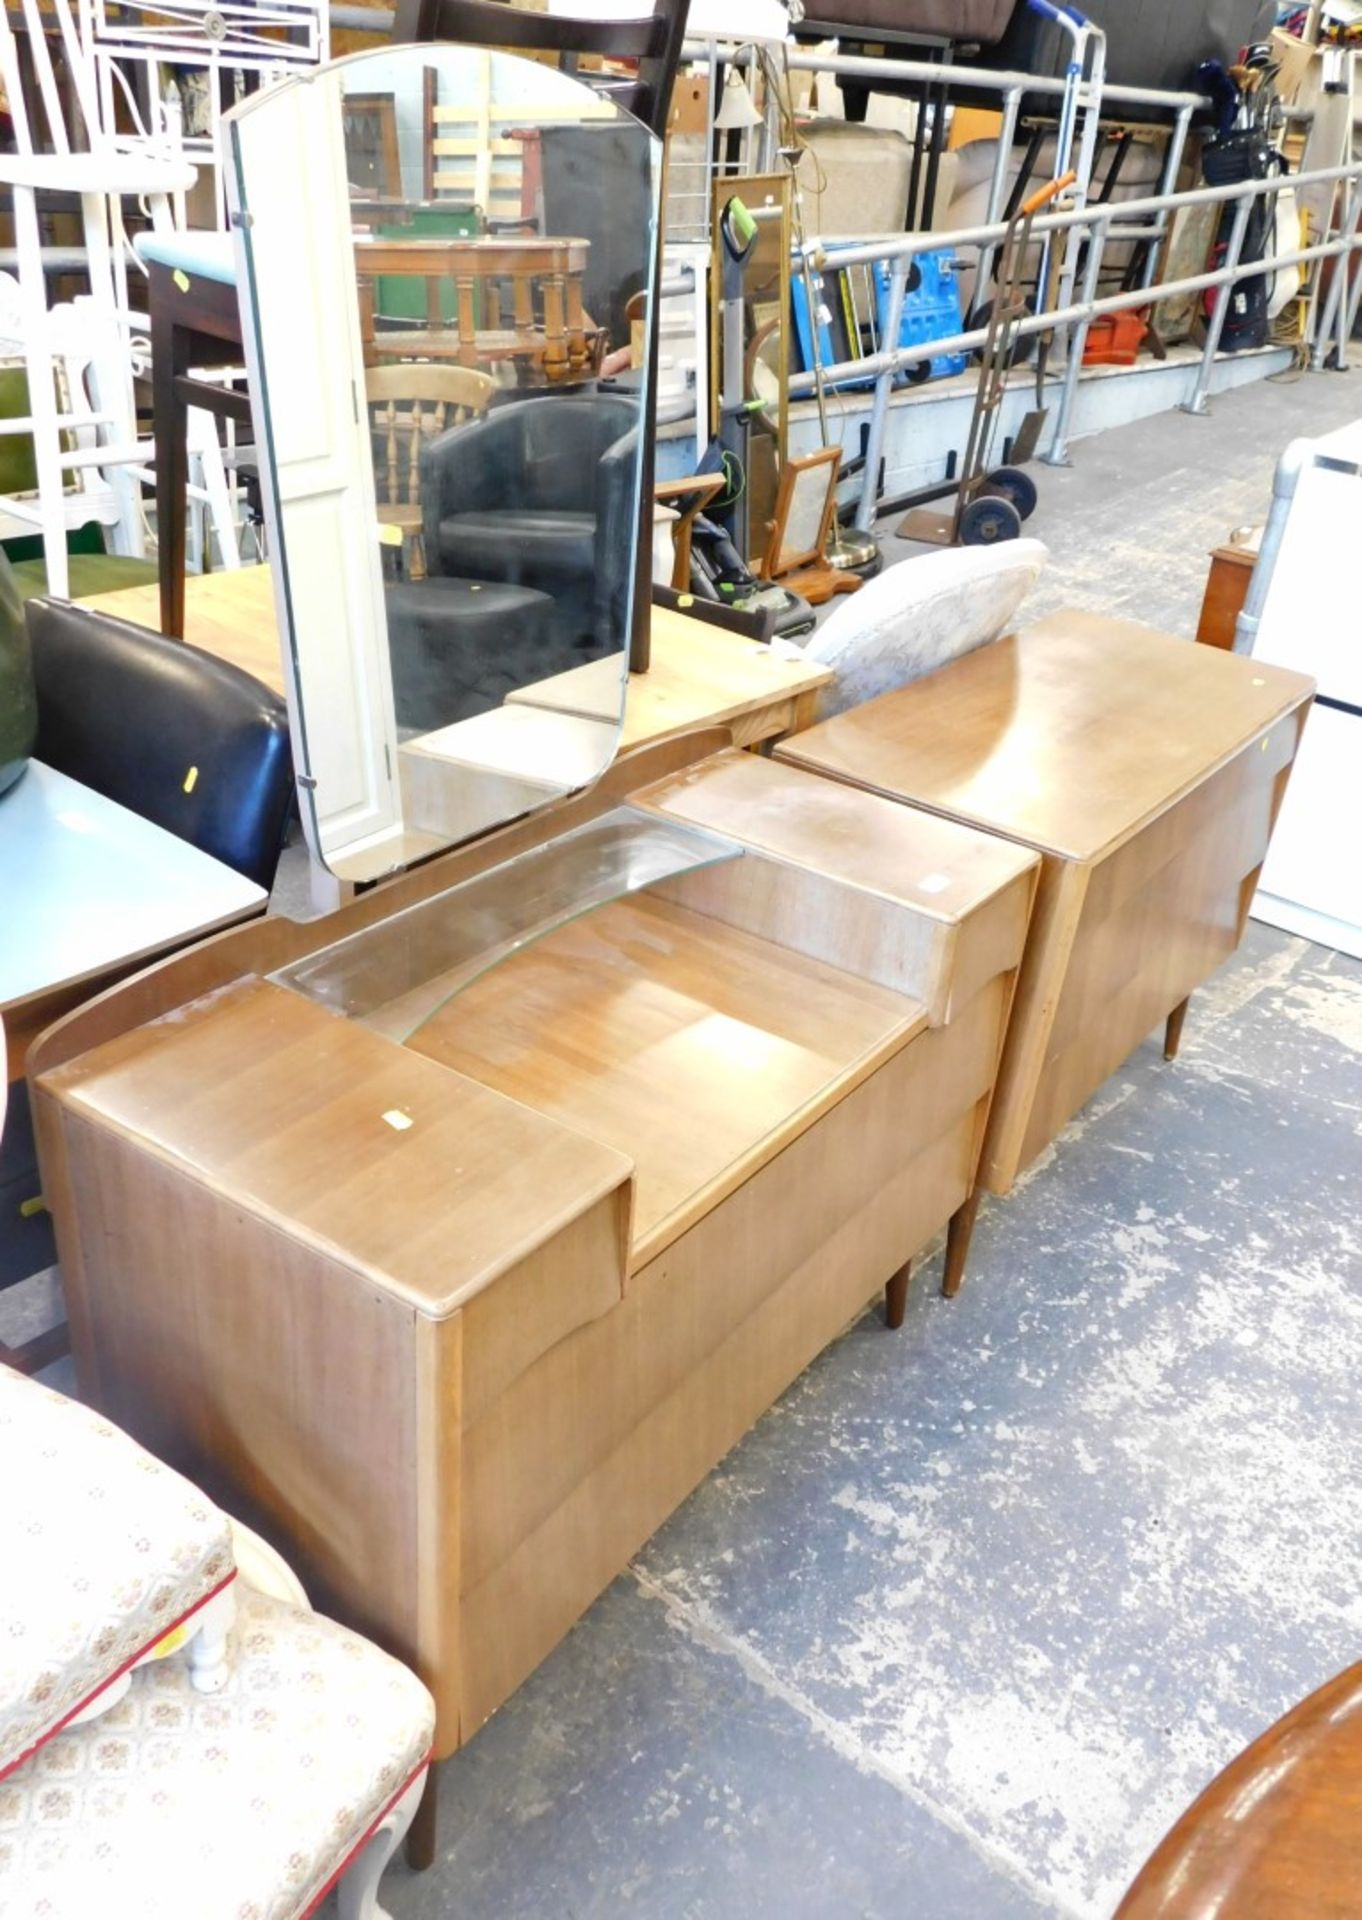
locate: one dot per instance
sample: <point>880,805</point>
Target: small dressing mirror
<point>439,248</point>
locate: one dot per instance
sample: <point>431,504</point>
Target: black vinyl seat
<point>459,647</point>
<point>539,494</point>
<point>168,731</point>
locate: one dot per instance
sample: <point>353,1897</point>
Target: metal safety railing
<point>1103,99</point>
<point>1095,224</point>
<point>1334,318</point>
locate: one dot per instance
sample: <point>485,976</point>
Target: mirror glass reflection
<point>448,252</point>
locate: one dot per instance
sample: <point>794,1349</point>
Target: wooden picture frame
<point>805,503</point>
<point>373,164</point>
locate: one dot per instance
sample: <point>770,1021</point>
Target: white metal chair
<point>81,439</point>
<point>89,463</point>
<point>144,58</point>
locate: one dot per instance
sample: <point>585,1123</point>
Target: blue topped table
<point>89,889</point>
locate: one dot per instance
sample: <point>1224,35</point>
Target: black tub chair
<point>166,730</point>
<point>540,494</point>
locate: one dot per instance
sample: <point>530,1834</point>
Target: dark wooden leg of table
<point>421,1834</point>
<point>896,1295</point>
<point>958,1236</point>
<point>1172,1033</point>
<point>169,359</point>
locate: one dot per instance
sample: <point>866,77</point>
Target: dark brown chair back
<point>654,41</point>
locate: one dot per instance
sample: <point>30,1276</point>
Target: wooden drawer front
<point>1169,904</point>
<point>567,1283</point>
<point>1160,916</point>
<point>525,1606</point>
<point>991,941</point>
<point>1251,774</point>
<point>580,1402</point>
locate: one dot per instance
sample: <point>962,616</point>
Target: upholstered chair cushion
<point>105,1551</point>
<point>921,613</point>
<point>242,1805</point>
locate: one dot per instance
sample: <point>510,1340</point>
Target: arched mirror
<point>439,247</point>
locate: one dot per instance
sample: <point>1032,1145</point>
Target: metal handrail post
<point>1335,310</point>
<point>1089,107</point>
<point>997,192</point>
<point>1057,453</point>
<point>879,406</point>
<point>1342,279</point>
<point>1168,184</point>
<point>1215,324</point>
<point>1354,305</point>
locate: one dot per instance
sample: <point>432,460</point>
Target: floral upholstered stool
<point>109,1559</point>
<point>302,1773</point>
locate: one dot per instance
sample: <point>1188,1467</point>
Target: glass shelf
<point>394,976</point>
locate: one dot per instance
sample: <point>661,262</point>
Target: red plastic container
<point>1114,340</point>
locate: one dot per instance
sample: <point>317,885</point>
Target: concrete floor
<point>979,1607</point>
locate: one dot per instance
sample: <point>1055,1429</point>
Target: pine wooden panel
<point>230,615</point>
<point>698,677</point>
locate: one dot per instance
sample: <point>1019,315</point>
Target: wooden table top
<point>1069,736</point>
<point>1277,1835</point>
<point>700,676</point>
<point>524,253</point>
<point>227,614</point>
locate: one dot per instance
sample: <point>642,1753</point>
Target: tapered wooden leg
<point>421,1834</point>
<point>958,1236</point>
<point>896,1295</point>
<point>1172,1033</point>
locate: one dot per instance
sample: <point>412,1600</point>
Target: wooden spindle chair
<point>409,404</point>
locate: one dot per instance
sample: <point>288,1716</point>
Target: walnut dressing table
<point>456,1235</point>
<point>1147,772</point>
<point>458,1247</point>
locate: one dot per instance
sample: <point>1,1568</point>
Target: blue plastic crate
<point>834,336</point>
<point>931,311</point>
